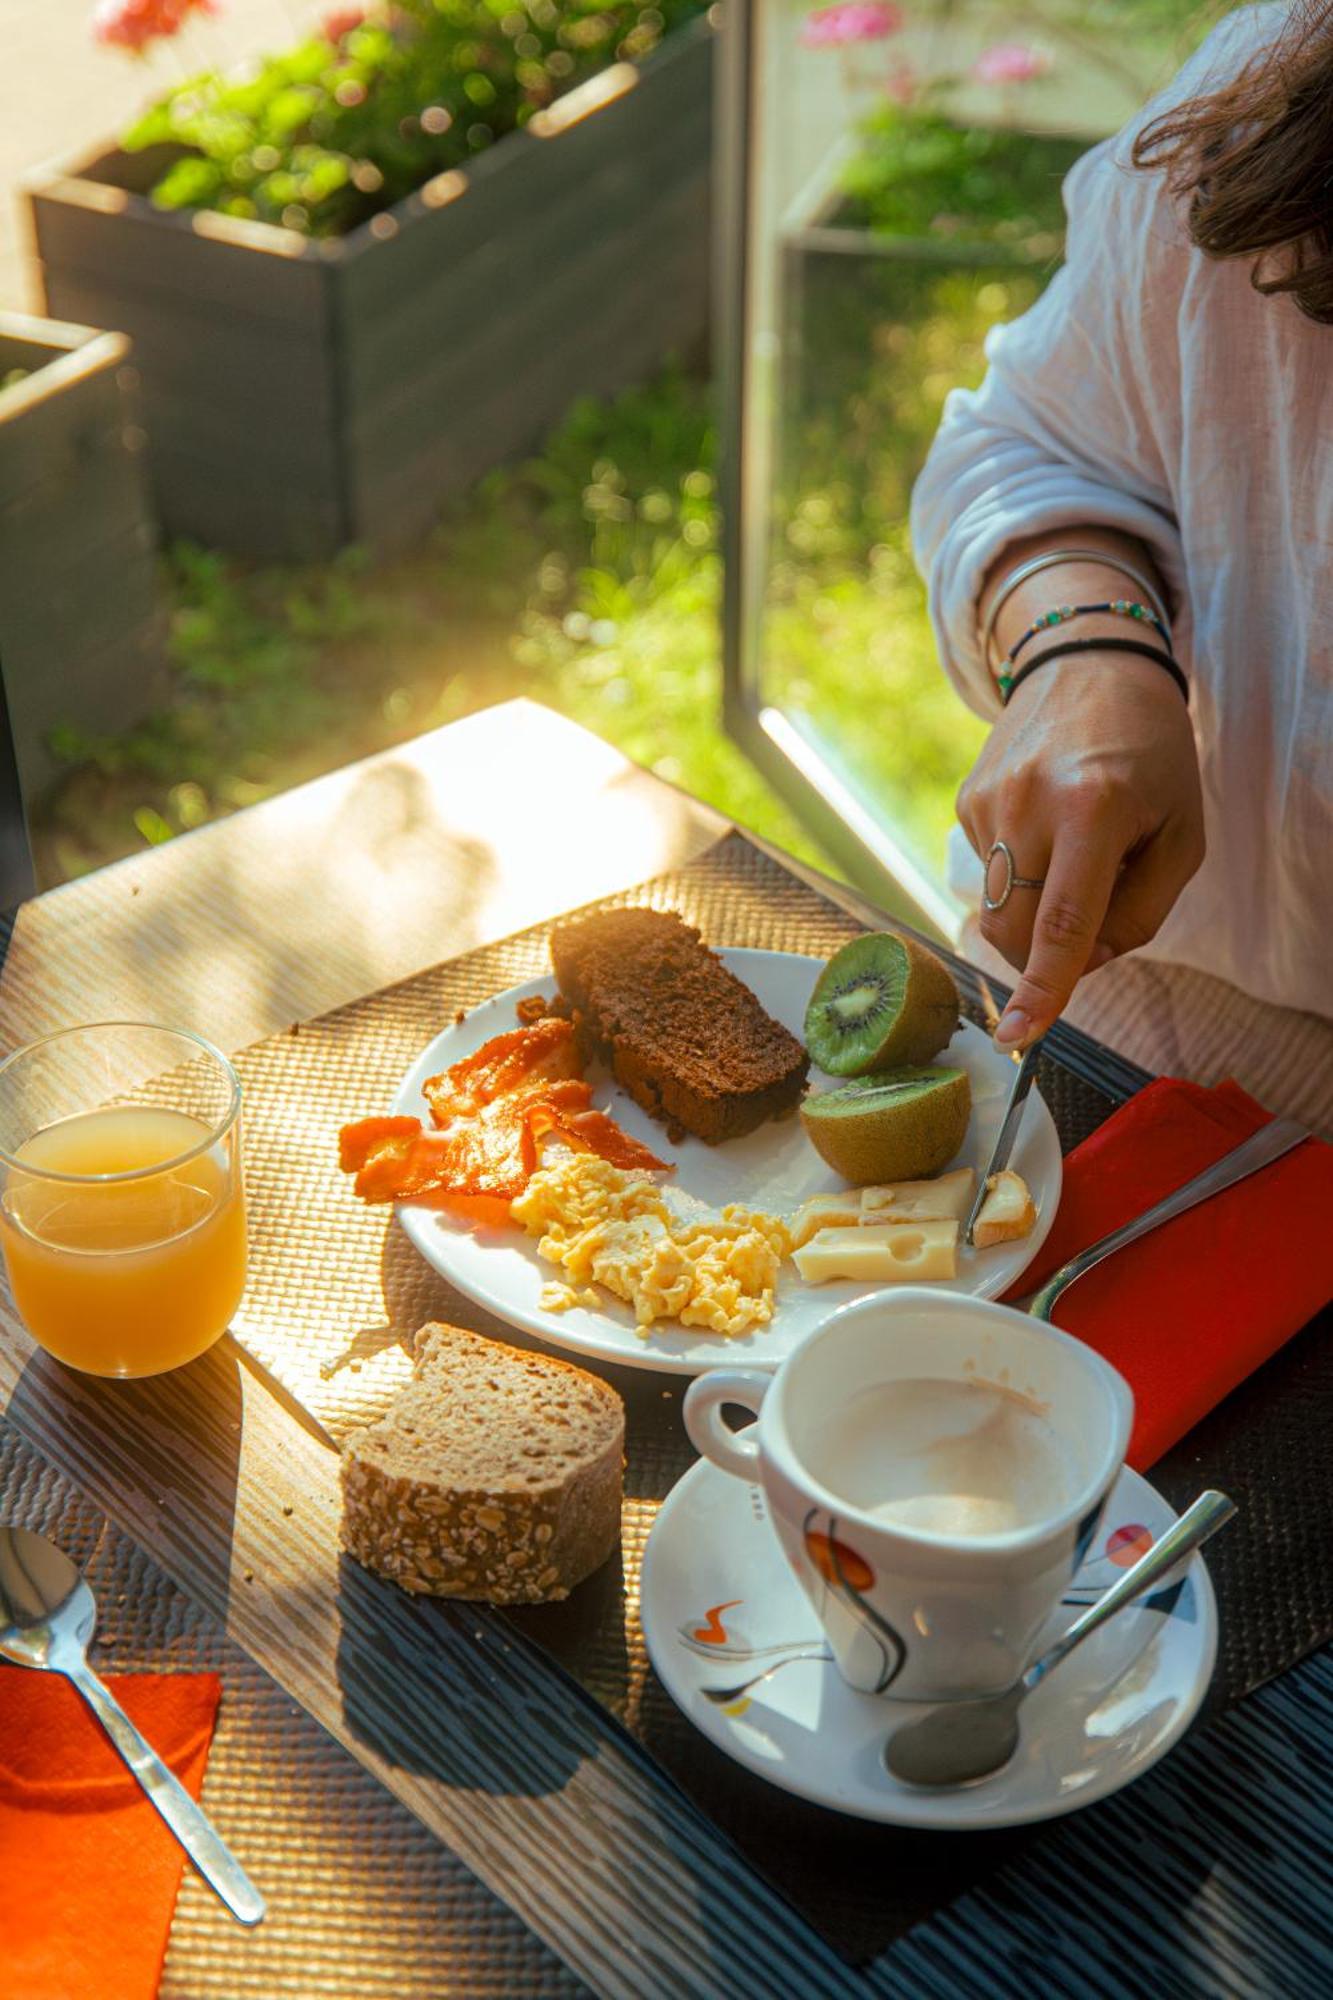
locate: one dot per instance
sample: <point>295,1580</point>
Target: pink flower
<point>340,21</point>
<point>132,24</point>
<point>850,21</point>
<point>1011,62</point>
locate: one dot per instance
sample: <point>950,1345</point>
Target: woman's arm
<point>1090,776</point>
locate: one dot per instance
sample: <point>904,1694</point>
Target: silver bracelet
<point>1048,561</point>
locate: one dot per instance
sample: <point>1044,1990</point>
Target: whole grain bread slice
<point>494,1474</point>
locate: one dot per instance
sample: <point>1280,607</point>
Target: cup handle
<point>702,1411</point>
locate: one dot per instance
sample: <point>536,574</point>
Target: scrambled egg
<point>604,1226</point>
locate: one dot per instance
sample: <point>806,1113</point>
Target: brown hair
<point>1255,159</point>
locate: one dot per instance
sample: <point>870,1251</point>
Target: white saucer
<point>719,1603</point>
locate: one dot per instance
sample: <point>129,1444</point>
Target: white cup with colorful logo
<point>935,1467</point>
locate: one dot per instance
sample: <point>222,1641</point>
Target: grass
<point>588,579</point>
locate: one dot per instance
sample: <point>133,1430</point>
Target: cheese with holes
<point>882,1253</point>
<point>949,1195</point>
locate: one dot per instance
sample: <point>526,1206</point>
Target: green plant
<point>918,173</point>
<point>328,133</point>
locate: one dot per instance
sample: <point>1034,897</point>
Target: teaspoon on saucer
<point>961,1742</point>
<point>47,1617</point>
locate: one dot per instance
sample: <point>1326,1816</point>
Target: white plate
<point>719,1604</point>
<point>775,1168</point>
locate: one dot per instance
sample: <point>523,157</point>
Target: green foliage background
<point>328,133</point>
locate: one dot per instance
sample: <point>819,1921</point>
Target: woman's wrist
<point>1095,651</point>
<point>1081,568</point>
<point>1095,677</point>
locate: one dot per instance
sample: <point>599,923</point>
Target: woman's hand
<point>1090,777</point>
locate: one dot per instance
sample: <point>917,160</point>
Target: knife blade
<point>1008,1132</point>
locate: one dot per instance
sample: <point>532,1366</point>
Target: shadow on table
<point>413,1295</point>
<point>444,1691</point>
<point>160,1455</point>
<point>862,1887</point>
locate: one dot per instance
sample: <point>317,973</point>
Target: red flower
<point>132,24</point>
<point>340,21</point>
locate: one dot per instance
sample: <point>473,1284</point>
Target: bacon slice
<point>545,1051</point>
<point>494,1110</point>
<point>357,1142</point>
<point>586,1131</point>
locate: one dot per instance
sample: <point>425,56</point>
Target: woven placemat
<point>336,1293</point>
<point>301,1814</point>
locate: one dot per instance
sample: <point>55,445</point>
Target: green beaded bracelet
<point>1060,614</point>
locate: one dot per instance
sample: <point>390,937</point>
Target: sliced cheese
<point>1007,1212</point>
<point>921,1201</point>
<point>825,1211</point>
<point>882,1252</point>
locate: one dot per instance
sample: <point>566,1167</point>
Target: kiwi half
<point>880,1002</point>
<point>905,1125</point>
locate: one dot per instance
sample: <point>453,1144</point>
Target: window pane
<point>904,165</point>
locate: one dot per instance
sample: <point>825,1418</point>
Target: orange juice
<point>126,1277</point>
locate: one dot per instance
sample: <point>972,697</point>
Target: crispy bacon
<point>510,1062</point>
<point>595,1132</point>
<point>494,1110</point>
<point>357,1142</point>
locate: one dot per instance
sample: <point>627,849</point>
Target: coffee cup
<point>935,1467</point>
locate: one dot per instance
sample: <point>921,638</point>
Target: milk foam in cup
<point>935,1467</point>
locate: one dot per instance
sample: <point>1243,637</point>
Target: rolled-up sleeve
<point>1066,429</point>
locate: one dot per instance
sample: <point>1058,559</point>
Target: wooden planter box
<point>81,624</point>
<point>301,393</point>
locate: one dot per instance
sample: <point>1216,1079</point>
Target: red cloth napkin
<point>88,1872</point>
<point>1200,1303</point>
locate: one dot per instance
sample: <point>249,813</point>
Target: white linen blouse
<point>1153,390</point>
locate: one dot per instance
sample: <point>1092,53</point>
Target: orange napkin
<point>88,1872</point>
<point>1200,1303</point>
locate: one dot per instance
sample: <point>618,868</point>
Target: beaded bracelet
<point>1066,646</point>
<point>1060,614</point>
<point>1049,560</point>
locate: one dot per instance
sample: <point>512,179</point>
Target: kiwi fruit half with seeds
<point>880,1002</point>
<point>905,1125</point>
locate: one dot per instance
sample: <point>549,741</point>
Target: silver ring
<point>1012,879</point>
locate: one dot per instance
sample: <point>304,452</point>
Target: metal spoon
<point>963,1741</point>
<point>1269,1143</point>
<point>47,1617</point>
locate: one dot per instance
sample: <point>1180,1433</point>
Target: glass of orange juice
<point>122,1206</point>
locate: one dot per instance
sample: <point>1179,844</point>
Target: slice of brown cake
<point>683,1035</point>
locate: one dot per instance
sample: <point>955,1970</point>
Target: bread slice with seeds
<point>494,1474</point>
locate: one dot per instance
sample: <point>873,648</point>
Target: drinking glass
<point>122,1204</point>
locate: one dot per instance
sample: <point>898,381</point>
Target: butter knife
<point>1013,1117</point>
